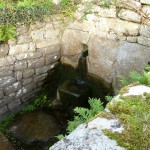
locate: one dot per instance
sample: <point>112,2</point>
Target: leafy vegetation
<point>85,114</point>
<point>134,113</point>
<point>7,33</point>
<point>134,76</point>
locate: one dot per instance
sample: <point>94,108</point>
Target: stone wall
<point>27,62</point>
<point>117,38</point>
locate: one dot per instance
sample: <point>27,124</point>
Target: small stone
<point>145,30</point>
<point>132,39</point>
<point>40,77</point>
<point>27,81</point>
<point>6,81</point>
<point>18,75</point>
<point>9,60</point>
<point>52,58</point>
<point>145,1</point>
<point>28,88</point>
<point>1,94</point>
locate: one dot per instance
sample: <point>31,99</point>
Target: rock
<point>145,30</point>
<point>129,15</point>
<point>4,143</point>
<point>90,136</point>
<point>145,1</point>
<point>36,63</point>
<point>28,73</point>
<point>9,60</point>
<point>4,48</point>
<point>144,40</point>
<point>36,126</point>
<point>3,109</point>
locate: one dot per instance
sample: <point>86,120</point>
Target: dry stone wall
<point>27,62</point>
<point>117,38</point>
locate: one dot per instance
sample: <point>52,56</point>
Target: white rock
<point>137,90</point>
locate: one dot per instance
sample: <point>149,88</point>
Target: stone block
<point>1,94</point>
<point>4,48</point>
<point>52,33</point>
<point>107,12</point>
<point>23,39</point>
<point>18,75</point>
<point>129,15</point>
<point>6,81</point>
<point>146,11</point>
<point>22,30</point>
<point>37,25</point>
<point>6,61</point>
<point>132,39</point>
<point>37,35</point>
<point>14,104</point>
<point>27,81</point>
<point>40,77</point>
<point>47,42</point>
<point>50,49</point>
<point>19,48</point>
<point>52,58</point>
<point>18,94</point>
<point>3,109</point>
<point>32,47</point>
<point>29,55</point>
<point>20,65</point>
<point>123,27</point>
<point>145,1</point>
<point>12,88</point>
<point>36,63</point>
<point>144,41</point>
<point>145,30</point>
<point>28,88</point>
<point>28,73</point>
<point>8,73</point>
<point>5,100</point>
<point>41,70</point>
<point>27,97</point>
<point>129,4</point>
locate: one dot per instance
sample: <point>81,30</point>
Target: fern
<point>84,114</point>
<point>124,81</point>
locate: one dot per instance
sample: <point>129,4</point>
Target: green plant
<point>60,136</point>
<point>134,114</point>
<point>7,32</point>
<point>84,114</point>
<point>108,98</point>
<point>134,76</point>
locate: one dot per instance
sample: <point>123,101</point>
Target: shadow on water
<point>72,87</point>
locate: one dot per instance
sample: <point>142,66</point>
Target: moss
<point>133,113</point>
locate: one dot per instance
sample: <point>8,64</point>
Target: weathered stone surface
<point>4,143</point>
<point>5,61</point>
<point>28,88</point>
<point>132,39</point>
<point>145,1</point>
<point>50,34</point>
<point>18,75</point>
<point>27,81</point>
<point>146,11</point>
<point>37,25</point>
<point>19,48</point>
<point>37,35</point>
<point>144,41</point>
<point>47,42</point>
<point>12,88</point>
<point>13,104</point>
<point>145,30</point>
<point>36,126</point>
<point>28,73</point>
<point>28,96</point>
<point>5,81</point>
<point>129,15</point>
<point>40,77</point>
<point>18,94</point>
<point>5,100</point>
<point>36,63</point>
<point>8,73</point>
<point>29,55</point>
<point>52,58</point>
<point>50,49</point>
<point>107,12</point>
<point>4,50</point>
<point>1,93</point>
<point>130,4</point>
<point>91,136</point>
<point>23,39</point>
<point>3,109</point>
<point>20,65</point>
